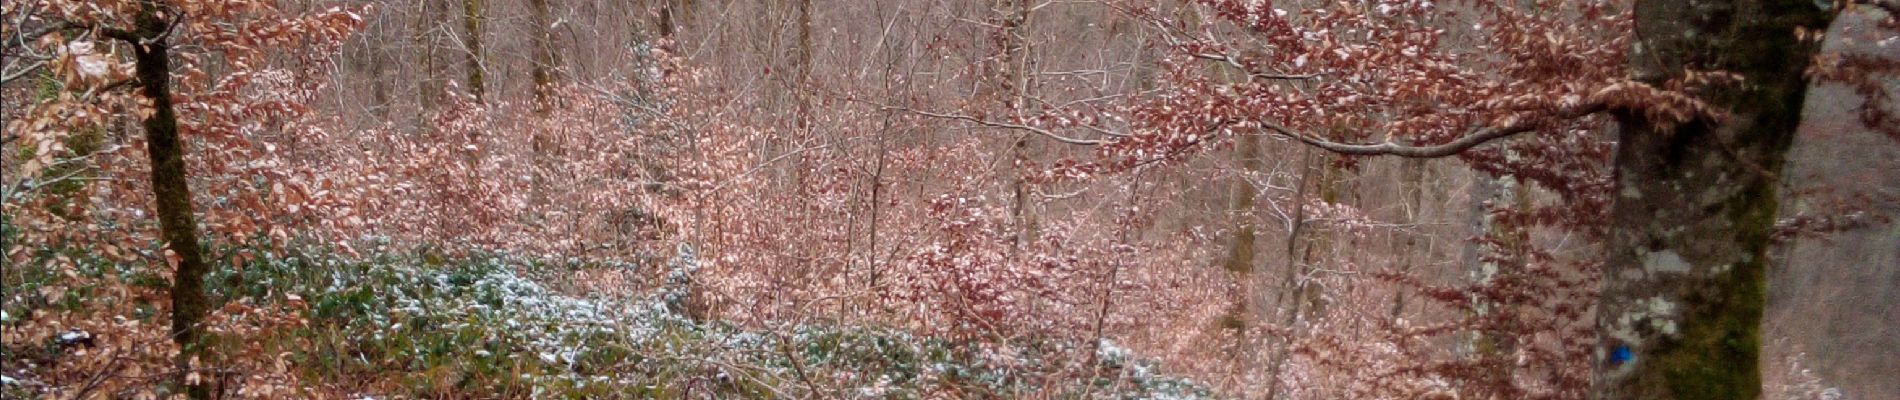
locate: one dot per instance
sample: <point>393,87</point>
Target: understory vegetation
<point>416,323</point>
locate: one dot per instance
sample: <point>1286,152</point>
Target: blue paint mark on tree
<point>1621,354</point>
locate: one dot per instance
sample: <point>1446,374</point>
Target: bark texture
<point>547,61</point>
<point>429,15</point>
<point>472,48</point>
<point>152,62</point>
<point>1683,285</point>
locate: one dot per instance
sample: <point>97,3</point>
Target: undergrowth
<point>420,325</point>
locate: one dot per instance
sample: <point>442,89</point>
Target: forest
<point>950,199</point>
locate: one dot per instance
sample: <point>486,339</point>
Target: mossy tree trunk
<point>152,62</point>
<point>547,61</point>
<point>1242,247</point>
<point>1683,285</point>
<point>472,48</point>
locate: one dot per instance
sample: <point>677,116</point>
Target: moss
<point>1719,357</point>
<point>1241,253</point>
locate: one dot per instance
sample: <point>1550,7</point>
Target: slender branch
<point>4,79</point>
<point>1231,61</point>
<point>1512,126</point>
<point>995,124</point>
<point>798,367</point>
<point>135,39</point>
<point>34,35</point>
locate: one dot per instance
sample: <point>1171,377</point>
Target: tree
<point>1717,91</point>
<point>474,61</point>
<point>151,45</point>
<point>429,14</point>
<point>1681,305</point>
<point>1684,287</point>
<point>547,60</point>
<point>1706,106</point>
<point>218,115</point>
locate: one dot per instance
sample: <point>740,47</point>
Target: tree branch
<point>22,72</point>
<point>1512,126</point>
<point>1231,61</point>
<point>994,124</point>
<point>24,38</point>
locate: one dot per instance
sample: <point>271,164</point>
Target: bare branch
<point>22,72</point>
<point>995,124</point>
<point>1512,126</point>
<point>1231,61</point>
<point>34,35</point>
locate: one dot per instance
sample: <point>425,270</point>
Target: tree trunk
<point>1242,247</point>
<point>1683,284</point>
<point>1011,83</point>
<point>429,14</point>
<point>472,48</point>
<point>802,59</point>
<point>1492,345</point>
<point>1305,246</point>
<point>547,62</point>
<point>172,193</point>
<point>1412,188</point>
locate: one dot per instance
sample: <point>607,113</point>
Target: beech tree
<point>206,111</point>
<point>1703,116</point>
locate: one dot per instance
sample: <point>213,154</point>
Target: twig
<point>994,124</point>
<point>798,368</point>
<point>1231,61</point>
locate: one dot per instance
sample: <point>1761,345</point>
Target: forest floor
<point>421,325</point>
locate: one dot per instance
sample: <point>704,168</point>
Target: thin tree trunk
<point>1412,187</point>
<point>1296,264</point>
<point>1241,248</point>
<point>1491,345</point>
<point>802,59</point>
<point>547,61</point>
<point>429,16</point>
<point>1683,286</point>
<point>1013,88</point>
<point>172,193</point>
<point>472,42</point>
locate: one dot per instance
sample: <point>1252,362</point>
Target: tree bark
<point>1493,343</point>
<point>1683,285</point>
<point>802,59</point>
<point>152,63</point>
<point>1242,248</point>
<point>547,62</point>
<point>1011,83</point>
<point>429,15</point>
<point>472,48</point>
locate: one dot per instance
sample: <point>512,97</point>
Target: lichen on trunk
<point>1683,286</point>
<point>172,193</point>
